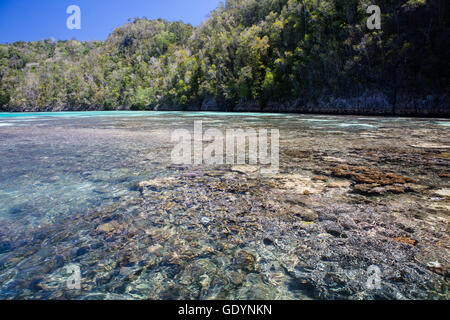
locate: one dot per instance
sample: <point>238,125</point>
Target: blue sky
<point>30,20</point>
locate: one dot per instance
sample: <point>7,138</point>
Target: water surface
<point>68,195</point>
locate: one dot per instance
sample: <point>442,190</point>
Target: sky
<point>32,20</point>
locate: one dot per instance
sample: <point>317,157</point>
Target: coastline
<point>425,107</point>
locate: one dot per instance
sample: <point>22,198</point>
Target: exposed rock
<point>367,175</point>
<point>245,169</point>
<point>247,106</point>
<point>168,108</point>
<point>209,104</point>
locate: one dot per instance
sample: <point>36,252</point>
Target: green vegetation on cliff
<point>248,52</point>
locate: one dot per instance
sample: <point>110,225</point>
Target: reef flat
<point>351,193</point>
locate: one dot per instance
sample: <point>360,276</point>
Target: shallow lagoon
<point>68,195</point>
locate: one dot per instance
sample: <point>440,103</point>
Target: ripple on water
<point>349,125</point>
<point>316,120</point>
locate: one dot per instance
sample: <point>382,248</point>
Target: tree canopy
<point>256,51</point>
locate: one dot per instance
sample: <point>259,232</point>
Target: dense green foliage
<point>246,51</point>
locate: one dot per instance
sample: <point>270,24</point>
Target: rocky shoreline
<point>372,104</point>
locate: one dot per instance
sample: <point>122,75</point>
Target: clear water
<point>59,170</point>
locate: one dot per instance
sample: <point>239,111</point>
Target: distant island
<point>249,55</point>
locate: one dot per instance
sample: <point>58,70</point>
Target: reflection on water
<point>352,192</point>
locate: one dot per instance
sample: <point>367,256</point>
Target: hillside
<point>249,55</point>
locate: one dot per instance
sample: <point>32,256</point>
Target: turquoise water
<point>129,114</point>
<point>76,114</point>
